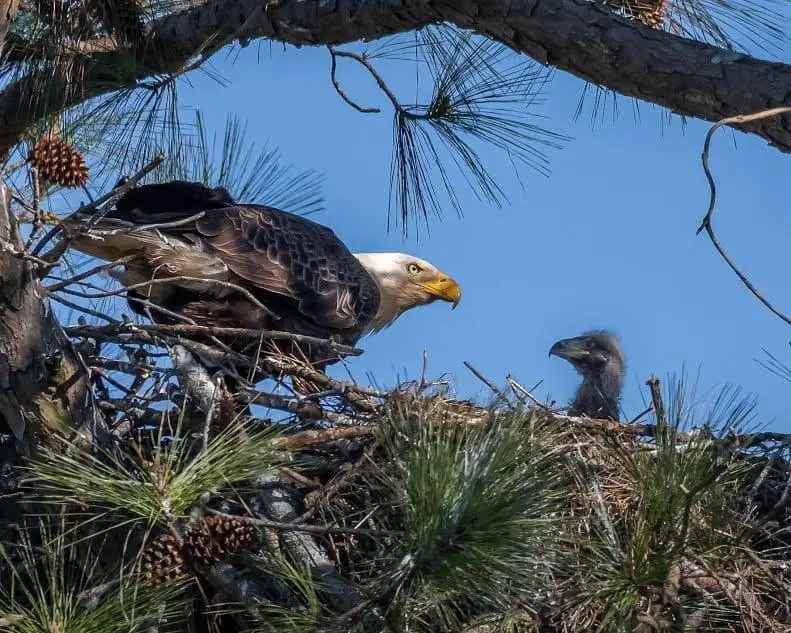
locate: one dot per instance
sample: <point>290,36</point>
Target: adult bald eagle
<point>253,266</point>
<point>598,357</point>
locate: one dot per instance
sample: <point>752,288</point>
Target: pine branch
<point>687,77</point>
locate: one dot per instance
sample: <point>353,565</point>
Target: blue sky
<point>607,240</point>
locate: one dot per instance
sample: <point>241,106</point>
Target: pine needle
<point>163,489</point>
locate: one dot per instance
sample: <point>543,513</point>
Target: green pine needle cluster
<point>52,582</point>
<point>153,486</point>
<point>481,509</point>
<point>483,97</point>
<point>670,519</point>
<point>276,618</point>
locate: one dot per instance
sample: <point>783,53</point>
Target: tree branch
<point>705,224</point>
<point>577,36</point>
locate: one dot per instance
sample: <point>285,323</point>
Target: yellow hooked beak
<point>445,288</point>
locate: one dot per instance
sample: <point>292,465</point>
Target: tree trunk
<point>42,383</point>
<point>577,36</point>
<point>8,9</point>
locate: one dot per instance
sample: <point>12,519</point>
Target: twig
<point>381,83</point>
<point>91,330</point>
<point>84,309</point>
<point>88,273</point>
<point>101,206</point>
<point>339,90</point>
<point>169,280</point>
<point>297,406</point>
<point>483,379</point>
<point>658,406</point>
<point>282,403</point>
<point>125,367</point>
<point>304,439</point>
<point>517,387</point>
<point>642,414</point>
<point>139,228</point>
<point>705,224</point>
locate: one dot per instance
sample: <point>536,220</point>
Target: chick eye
<point>413,269</point>
<point>590,344</point>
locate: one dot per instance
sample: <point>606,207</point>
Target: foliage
<point>152,481</point>
<point>51,582</point>
<point>480,507</point>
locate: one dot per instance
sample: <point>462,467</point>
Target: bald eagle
<point>598,357</point>
<point>226,264</point>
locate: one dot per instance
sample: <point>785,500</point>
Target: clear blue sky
<point>607,240</point>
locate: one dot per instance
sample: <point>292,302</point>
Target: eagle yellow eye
<point>413,269</point>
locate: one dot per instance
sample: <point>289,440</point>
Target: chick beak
<point>568,349</point>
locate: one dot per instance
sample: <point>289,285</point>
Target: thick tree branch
<point>577,36</point>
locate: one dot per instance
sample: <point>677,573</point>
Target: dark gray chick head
<point>598,357</point>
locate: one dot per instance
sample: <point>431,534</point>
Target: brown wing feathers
<point>294,257</point>
<point>299,269</point>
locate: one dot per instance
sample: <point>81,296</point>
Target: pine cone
<point>162,559</point>
<point>200,547</point>
<point>58,161</point>
<point>229,535</point>
<point>216,538</point>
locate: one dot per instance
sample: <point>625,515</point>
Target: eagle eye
<point>413,268</point>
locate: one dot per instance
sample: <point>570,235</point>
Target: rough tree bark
<point>577,36</point>
<point>42,383</point>
<point>8,9</point>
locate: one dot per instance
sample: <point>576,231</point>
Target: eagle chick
<point>597,356</point>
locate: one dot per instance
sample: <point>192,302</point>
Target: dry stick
<point>84,275</point>
<point>382,84</point>
<point>152,306</point>
<point>83,309</point>
<point>340,91</point>
<point>139,228</point>
<point>656,400</point>
<point>106,201</point>
<point>483,379</point>
<point>642,414</point>
<point>321,436</point>
<point>658,405</point>
<point>705,224</point>
<point>519,388</point>
<point>91,330</point>
<point>125,367</point>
